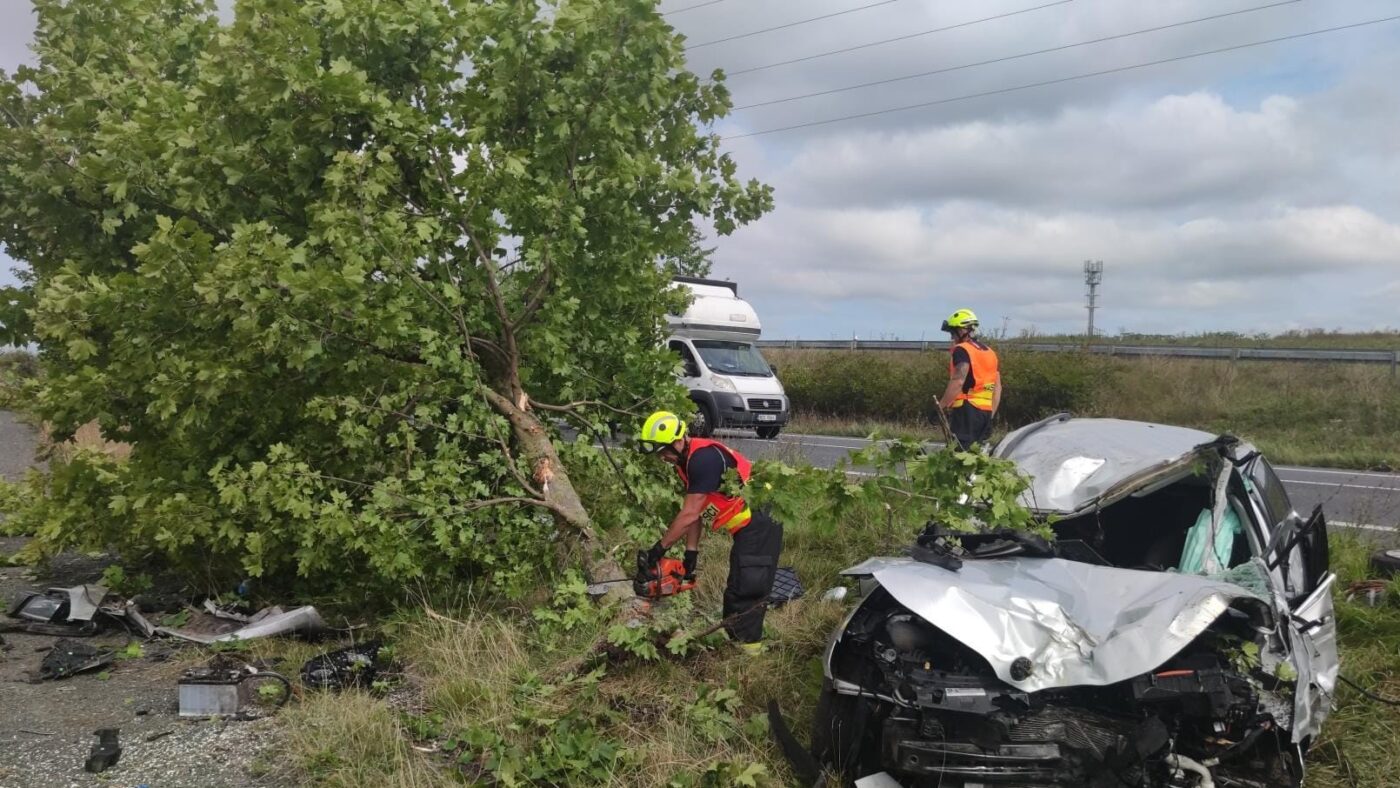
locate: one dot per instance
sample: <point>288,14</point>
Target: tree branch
<point>572,407</point>
<point>536,298</point>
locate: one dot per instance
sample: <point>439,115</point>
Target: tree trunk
<point>539,453</point>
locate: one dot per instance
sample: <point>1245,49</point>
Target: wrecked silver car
<point>1177,632</point>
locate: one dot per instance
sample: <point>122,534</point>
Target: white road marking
<point>1371,474</point>
<point>1363,526</point>
<point>1347,486</point>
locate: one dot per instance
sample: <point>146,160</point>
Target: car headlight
<point>725,384</point>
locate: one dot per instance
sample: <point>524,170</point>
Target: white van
<point>729,380</point>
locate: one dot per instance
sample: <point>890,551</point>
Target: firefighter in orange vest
<point>974,382</point>
<point>758,538</point>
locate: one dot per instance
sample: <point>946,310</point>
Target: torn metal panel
<point>1077,624</point>
<point>83,601</point>
<point>204,628</point>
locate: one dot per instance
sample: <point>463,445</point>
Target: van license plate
<point>767,417</point>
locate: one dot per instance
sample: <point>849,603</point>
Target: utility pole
<point>1093,275</point>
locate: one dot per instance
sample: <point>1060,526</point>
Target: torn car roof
<point>1074,463</point>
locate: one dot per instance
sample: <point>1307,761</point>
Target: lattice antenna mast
<point>1093,276</point>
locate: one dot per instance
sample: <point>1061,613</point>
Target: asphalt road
<point>1359,500</point>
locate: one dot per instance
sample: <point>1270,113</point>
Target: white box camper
<point>730,382</point>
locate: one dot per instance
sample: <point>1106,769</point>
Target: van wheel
<point>768,433</point>
<point>702,424</point>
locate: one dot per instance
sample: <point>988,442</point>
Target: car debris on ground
<point>355,666</point>
<point>70,657</point>
<point>105,753</point>
<point>228,687</point>
<point>214,624</point>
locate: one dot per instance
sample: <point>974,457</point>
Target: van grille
<point>765,404</point>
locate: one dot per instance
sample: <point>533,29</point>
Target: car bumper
<point>732,412</point>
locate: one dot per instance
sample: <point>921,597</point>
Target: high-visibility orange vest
<point>721,511</point>
<point>982,377</point>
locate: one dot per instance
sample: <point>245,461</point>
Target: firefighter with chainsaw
<point>758,538</point>
<point>974,382</point>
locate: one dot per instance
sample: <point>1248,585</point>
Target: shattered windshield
<point>733,358</point>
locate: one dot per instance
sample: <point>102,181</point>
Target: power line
<point>691,7</point>
<point>1062,80</point>
<point>789,24</point>
<point>1060,48</point>
<point>820,55</point>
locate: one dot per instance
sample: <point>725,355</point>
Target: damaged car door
<point>1301,557</point>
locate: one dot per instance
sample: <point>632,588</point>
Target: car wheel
<point>768,433</point>
<point>1386,562</point>
<point>835,726</point>
<point>702,424</point>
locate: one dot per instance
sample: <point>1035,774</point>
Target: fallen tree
<point>334,268</point>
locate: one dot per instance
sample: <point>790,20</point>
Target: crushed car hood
<point>1074,463</point>
<point>1078,624</point>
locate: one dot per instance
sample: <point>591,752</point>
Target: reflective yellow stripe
<point>981,399</point>
<point>739,520</point>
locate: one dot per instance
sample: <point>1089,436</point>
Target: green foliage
<point>176,620</point>
<point>713,715</point>
<point>423,727</point>
<point>667,626</point>
<point>116,580</point>
<point>963,491</point>
<point>550,746</point>
<point>133,650</point>
<point>570,610</point>
<point>316,270</point>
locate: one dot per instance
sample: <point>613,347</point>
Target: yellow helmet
<point>963,318</point>
<point>661,429</point>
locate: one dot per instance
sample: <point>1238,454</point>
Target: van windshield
<point>733,358</point>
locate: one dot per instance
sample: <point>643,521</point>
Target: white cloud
<point>1178,150</point>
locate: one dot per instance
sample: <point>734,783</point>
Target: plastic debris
<point>348,667</point>
<point>68,657</point>
<point>105,753</point>
<point>786,587</point>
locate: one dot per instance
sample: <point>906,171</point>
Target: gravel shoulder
<point>46,728</point>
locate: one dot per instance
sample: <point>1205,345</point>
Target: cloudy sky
<point>1252,190</point>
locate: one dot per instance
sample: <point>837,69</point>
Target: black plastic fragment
<point>68,657</point>
<point>105,753</point>
<point>348,667</point>
<point>786,587</point>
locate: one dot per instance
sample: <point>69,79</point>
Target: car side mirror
<point>774,369</point>
<point>692,370</point>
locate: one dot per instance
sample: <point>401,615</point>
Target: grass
<point>1336,415</point>
<point>674,719</point>
<point>1360,743</point>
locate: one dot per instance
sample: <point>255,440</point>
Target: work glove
<point>647,561</point>
<point>646,568</point>
<point>692,557</point>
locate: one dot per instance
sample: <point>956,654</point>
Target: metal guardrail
<point>1391,357</point>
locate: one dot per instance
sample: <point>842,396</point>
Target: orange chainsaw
<point>669,580</point>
